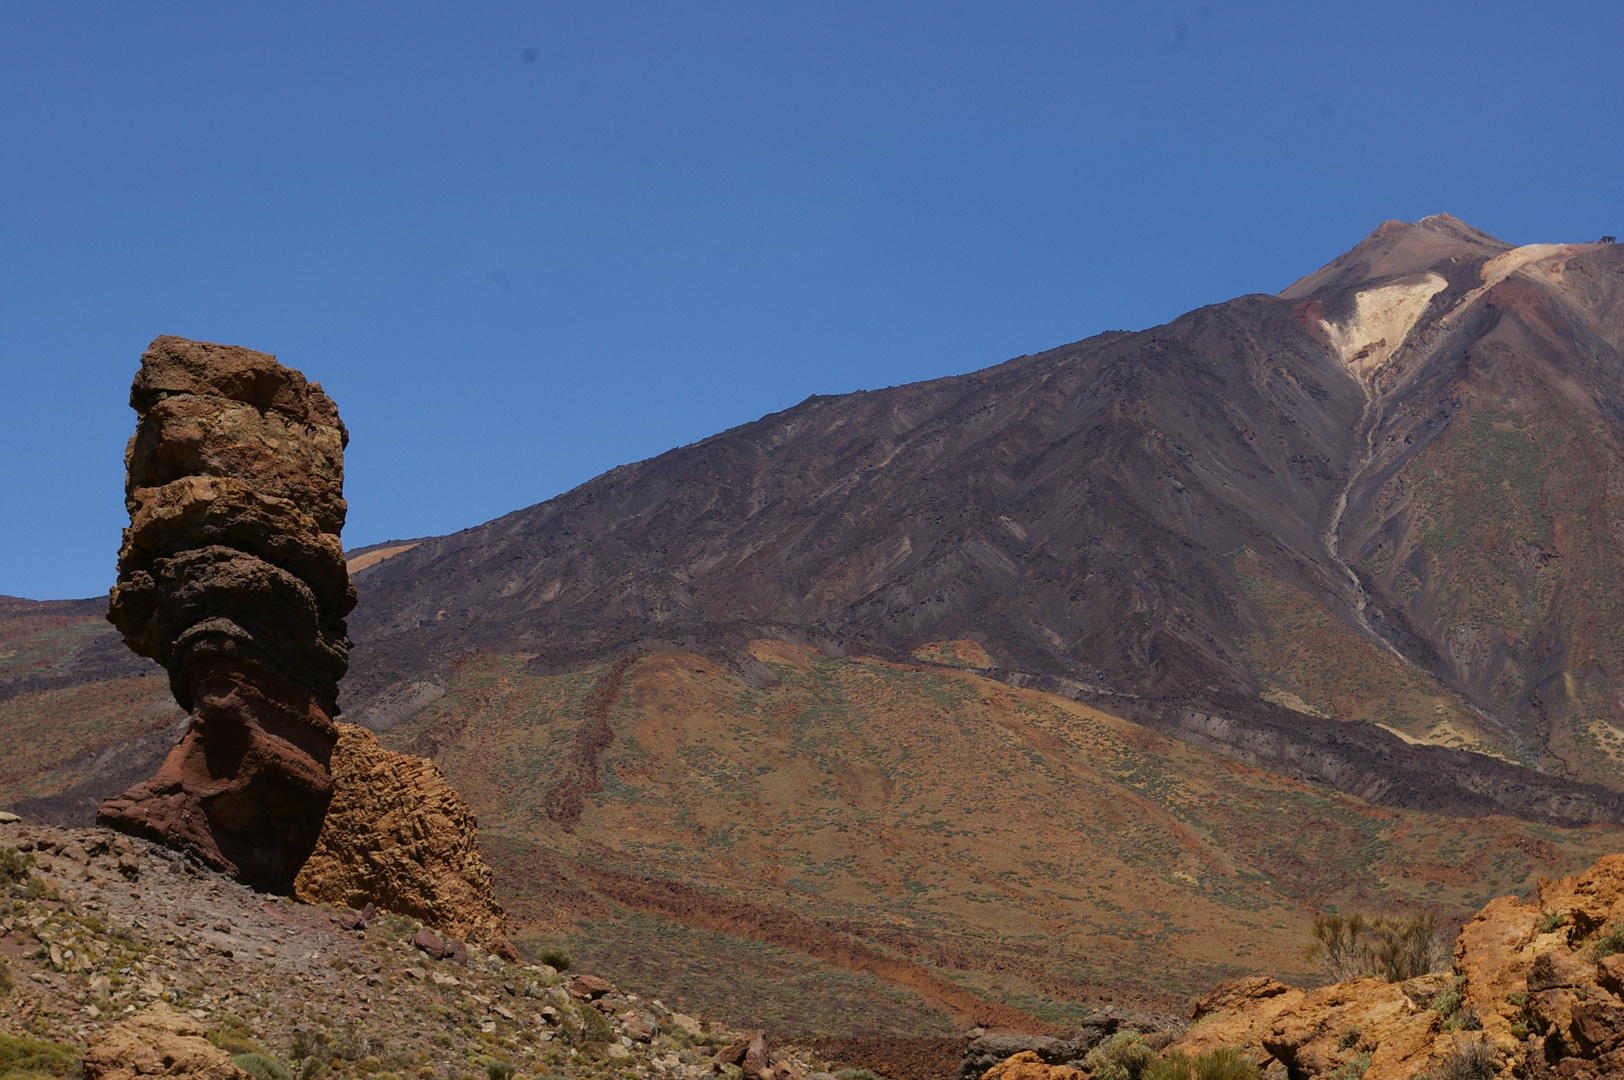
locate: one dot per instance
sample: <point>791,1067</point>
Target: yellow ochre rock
<point>158,1043</point>
<point>1536,991</point>
<point>398,836</point>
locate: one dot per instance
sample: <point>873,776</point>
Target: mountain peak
<point>1398,249</point>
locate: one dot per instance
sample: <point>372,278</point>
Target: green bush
<point>31,1056</point>
<point>1173,1065</point>
<point>1125,1057</point>
<point>261,1067</point>
<point>596,1030</point>
<point>1610,942</point>
<point>14,865</point>
<point>1354,1069</point>
<point>554,957</point>
<point>499,1070</point>
<point>1225,1063</point>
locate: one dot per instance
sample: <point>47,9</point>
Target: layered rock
<point>231,575</point>
<point>399,837</point>
<point>1535,992</point>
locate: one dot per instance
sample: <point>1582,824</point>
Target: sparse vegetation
<point>855,1074</point>
<point>1354,1069</point>
<point>1609,942</point>
<point>262,1067</point>
<point>554,956</point>
<point>1447,1004</point>
<point>1475,1061</point>
<point>499,1070</point>
<point>26,1057</point>
<point>234,1037</point>
<point>1552,921</point>
<point>1125,1057</point>
<point>1225,1063</point>
<point>14,865</point>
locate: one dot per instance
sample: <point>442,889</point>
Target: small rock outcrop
<point>231,575</point>
<point>1536,992</point>
<point>398,836</point>
<point>158,1043</point>
<point>982,1053</point>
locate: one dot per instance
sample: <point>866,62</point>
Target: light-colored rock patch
<point>1382,319</point>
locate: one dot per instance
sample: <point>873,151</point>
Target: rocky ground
<point>101,928</point>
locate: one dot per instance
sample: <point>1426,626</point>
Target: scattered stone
<point>7,817</point>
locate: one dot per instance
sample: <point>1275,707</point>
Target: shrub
<point>261,1067</point>
<point>1610,942</point>
<point>1173,1065</point>
<point>1339,946</point>
<point>1552,921</point>
<point>235,1038</point>
<point>23,1055</point>
<point>1125,1057</point>
<point>1405,948</point>
<point>855,1074</point>
<point>595,1027</point>
<point>1225,1063</point>
<point>1354,1069</point>
<point>1394,948</point>
<point>14,865</point>
<point>1474,1061</point>
<point>554,957</point>
<point>499,1070</point>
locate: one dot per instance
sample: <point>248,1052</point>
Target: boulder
<point>396,835</point>
<point>988,1050</point>
<point>1029,1065</point>
<point>157,1043</point>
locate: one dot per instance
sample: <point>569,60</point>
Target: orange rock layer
<point>398,836</point>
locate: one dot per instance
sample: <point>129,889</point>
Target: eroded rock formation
<point>1536,992</point>
<point>232,577</point>
<point>399,837</point>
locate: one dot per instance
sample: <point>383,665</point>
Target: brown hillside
<point>863,829</point>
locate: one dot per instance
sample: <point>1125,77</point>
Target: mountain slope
<point>973,844</point>
<point>1143,520</point>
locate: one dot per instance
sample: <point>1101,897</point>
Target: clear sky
<point>521,244</point>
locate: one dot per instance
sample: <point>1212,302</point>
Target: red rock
<point>429,942</point>
<point>589,987</point>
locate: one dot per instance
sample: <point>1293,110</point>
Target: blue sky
<point>521,244</point>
